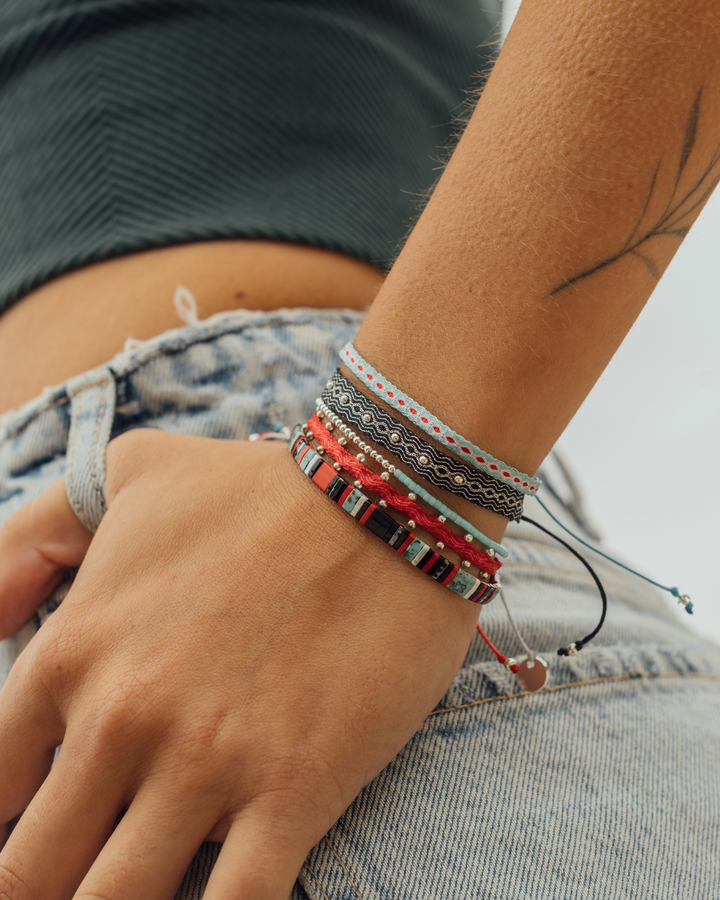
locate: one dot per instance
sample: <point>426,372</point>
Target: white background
<point>646,443</point>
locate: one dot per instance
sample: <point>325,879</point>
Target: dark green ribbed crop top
<point>130,124</point>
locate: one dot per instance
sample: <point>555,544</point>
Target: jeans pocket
<point>92,412</point>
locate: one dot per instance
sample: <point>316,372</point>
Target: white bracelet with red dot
<point>433,427</point>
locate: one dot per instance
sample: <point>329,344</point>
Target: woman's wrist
<point>488,522</point>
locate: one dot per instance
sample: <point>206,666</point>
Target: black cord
<point>577,646</point>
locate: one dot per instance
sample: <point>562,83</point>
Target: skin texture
<point>578,147</point>
<point>501,312</point>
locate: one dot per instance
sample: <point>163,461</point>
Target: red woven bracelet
<point>399,501</point>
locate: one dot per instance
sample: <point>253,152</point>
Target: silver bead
<point>458,479</point>
<point>440,545</point>
<point>344,398</point>
<point>337,467</point>
<point>410,524</point>
<point>329,426</point>
<point>395,437</point>
<point>320,450</point>
<point>491,553</point>
<point>360,457</point>
<point>366,448</point>
<point>412,496</point>
<point>329,385</point>
<point>442,519</point>
<point>385,464</point>
<point>423,460</point>
<point>367,417</point>
<point>385,476</point>
<point>469,538</point>
<point>485,576</point>
<point>509,662</point>
<point>382,503</point>
<point>358,484</point>
<point>391,469</point>
<point>320,414</point>
<point>466,564</point>
<point>373,454</point>
<point>572,650</point>
<point>342,441</point>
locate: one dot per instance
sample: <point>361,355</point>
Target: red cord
<point>399,501</point>
<point>501,658</point>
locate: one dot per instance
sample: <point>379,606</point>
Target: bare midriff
<point>82,319</point>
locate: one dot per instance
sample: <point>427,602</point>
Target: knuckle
<point>128,455</point>
<point>121,713</point>
<point>13,887</point>
<point>50,657</point>
<point>208,738</point>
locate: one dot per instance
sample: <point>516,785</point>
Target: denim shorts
<point>604,784</point>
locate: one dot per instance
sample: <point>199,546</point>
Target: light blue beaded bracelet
<point>433,427</point>
<point>448,513</point>
<point>323,410</point>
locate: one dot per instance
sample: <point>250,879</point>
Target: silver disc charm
<point>533,675</point>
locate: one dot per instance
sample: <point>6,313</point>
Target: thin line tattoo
<point>673,220</point>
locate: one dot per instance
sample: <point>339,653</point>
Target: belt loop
<point>92,413</point>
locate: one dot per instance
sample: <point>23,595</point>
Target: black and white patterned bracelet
<point>449,474</point>
<point>381,524</point>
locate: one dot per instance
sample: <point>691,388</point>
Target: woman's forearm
<point>591,151</point>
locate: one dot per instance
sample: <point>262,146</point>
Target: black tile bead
<point>441,567</point>
<point>423,558</point>
<point>362,510</point>
<point>336,487</point>
<point>381,524</point>
<point>400,536</point>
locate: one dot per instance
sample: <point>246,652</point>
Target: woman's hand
<point>236,659</point>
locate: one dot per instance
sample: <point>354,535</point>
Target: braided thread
<point>441,470</point>
<point>433,427</point>
<point>417,489</point>
<point>399,501</point>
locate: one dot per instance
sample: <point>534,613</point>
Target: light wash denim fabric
<point>605,784</point>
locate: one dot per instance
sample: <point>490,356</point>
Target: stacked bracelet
<point>380,523</point>
<point>447,473</point>
<point>399,501</point>
<point>417,490</point>
<point>433,427</point>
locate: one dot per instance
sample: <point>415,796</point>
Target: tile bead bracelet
<point>433,427</point>
<point>403,541</point>
<point>399,501</point>
<point>416,489</point>
<point>453,475</point>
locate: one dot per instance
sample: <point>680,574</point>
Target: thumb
<point>38,544</point>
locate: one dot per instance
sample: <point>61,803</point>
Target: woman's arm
<point>592,150</point>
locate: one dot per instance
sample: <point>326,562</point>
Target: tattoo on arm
<point>674,220</point>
